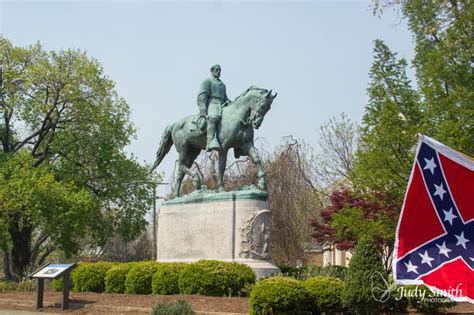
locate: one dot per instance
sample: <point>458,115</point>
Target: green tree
<point>444,57</point>
<point>384,157</point>
<point>361,277</point>
<point>74,127</point>
<point>349,216</point>
<point>337,145</point>
<point>389,127</point>
<point>31,197</point>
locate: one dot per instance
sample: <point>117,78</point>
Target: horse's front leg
<point>222,165</point>
<point>184,168</point>
<point>253,154</point>
<point>179,179</point>
<point>194,175</point>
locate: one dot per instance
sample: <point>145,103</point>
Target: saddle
<point>199,123</point>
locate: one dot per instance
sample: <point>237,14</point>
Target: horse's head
<point>259,108</point>
<point>260,101</point>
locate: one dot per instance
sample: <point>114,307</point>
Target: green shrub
<point>7,286</point>
<point>280,295</point>
<point>166,278</point>
<point>290,271</point>
<point>245,291</point>
<point>245,280</point>
<point>357,295</point>
<point>215,278</point>
<point>326,293</point>
<point>57,284</point>
<point>26,285</point>
<point>90,277</point>
<point>396,303</point>
<point>115,278</point>
<point>138,280</point>
<point>311,270</point>
<point>179,307</point>
<point>425,301</point>
<point>326,271</point>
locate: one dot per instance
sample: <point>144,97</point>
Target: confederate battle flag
<point>434,242</point>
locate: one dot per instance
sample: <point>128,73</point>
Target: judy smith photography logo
<point>383,290</point>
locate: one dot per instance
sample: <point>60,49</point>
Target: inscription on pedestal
<point>184,232</point>
<point>195,231</point>
<point>230,230</point>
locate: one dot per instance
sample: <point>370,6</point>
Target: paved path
<point>12,312</point>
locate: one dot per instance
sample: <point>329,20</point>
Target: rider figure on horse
<point>211,99</point>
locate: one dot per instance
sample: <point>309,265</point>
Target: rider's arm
<point>203,97</point>
<point>227,101</point>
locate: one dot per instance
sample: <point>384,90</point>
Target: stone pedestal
<point>230,226</point>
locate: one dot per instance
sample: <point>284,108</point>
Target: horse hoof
<point>197,184</point>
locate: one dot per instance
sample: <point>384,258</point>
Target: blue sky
<point>315,54</point>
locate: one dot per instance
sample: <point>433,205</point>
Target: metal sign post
<point>66,285</point>
<point>53,271</point>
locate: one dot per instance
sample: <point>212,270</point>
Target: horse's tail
<point>165,146</point>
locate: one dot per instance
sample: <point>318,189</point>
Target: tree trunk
<point>43,257</point>
<point>6,266</point>
<point>21,250</point>
<point>36,248</point>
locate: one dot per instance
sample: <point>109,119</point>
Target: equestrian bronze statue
<point>235,130</point>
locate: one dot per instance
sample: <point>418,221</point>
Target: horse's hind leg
<point>185,162</point>
<point>222,164</point>
<point>179,179</point>
<point>191,156</point>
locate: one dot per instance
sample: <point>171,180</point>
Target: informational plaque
<point>53,271</point>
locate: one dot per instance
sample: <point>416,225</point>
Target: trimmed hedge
<point>290,271</point>
<point>115,278</point>
<point>425,301</point>
<point>285,295</point>
<point>326,271</point>
<point>326,293</point>
<point>215,278</point>
<point>279,295</point>
<point>166,278</point>
<point>396,302</point>
<point>90,277</point>
<point>311,270</point>
<point>138,280</point>
<point>245,280</point>
<point>206,277</point>
<point>57,284</point>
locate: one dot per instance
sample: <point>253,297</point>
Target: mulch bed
<point>102,303</point>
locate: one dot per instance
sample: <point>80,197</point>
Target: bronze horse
<point>235,131</point>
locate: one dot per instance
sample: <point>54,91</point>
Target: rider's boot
<point>212,142</point>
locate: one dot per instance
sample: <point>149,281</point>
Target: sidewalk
<point>12,312</point>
